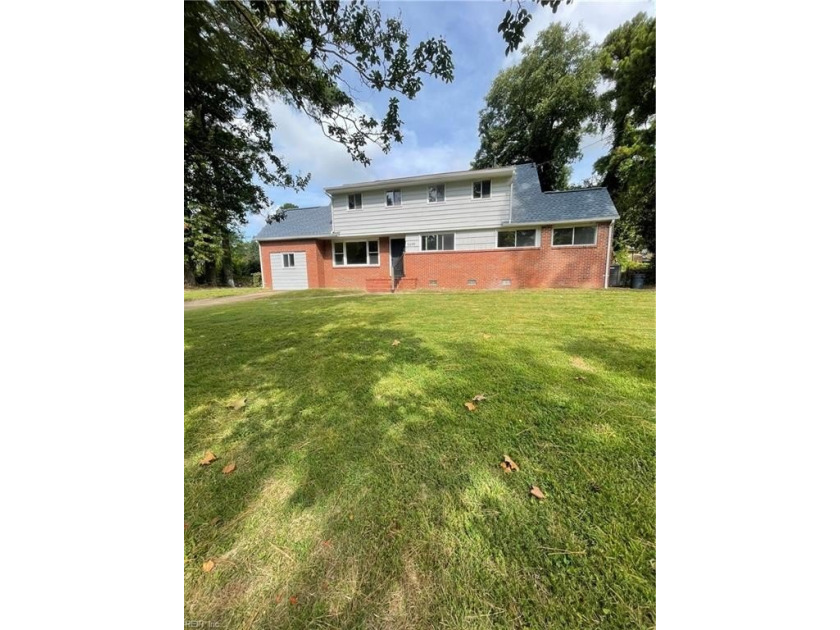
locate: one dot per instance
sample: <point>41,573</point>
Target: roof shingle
<point>299,222</point>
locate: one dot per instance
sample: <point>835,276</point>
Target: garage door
<point>288,271</point>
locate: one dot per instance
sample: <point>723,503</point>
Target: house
<point>483,229</point>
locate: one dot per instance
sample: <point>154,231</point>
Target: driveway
<point>193,304</point>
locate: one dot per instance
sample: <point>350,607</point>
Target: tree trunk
<point>189,274</point>
<point>227,260</point>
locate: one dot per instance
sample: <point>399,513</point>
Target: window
<point>437,242</point>
<point>517,238</point>
<point>393,198</point>
<point>481,190</point>
<point>355,253</point>
<point>288,260</point>
<point>437,193</point>
<point>354,201</point>
<point>580,235</point>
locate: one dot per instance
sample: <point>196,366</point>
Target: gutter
<point>609,251</point>
<point>560,222</point>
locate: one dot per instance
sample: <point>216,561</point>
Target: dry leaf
<point>510,463</point>
<point>209,458</point>
<point>470,406</point>
<point>215,520</point>
<point>229,468</point>
<point>537,492</point>
<point>505,467</point>
<point>395,342</point>
<point>293,600</point>
<point>237,404</point>
<point>208,566</point>
<point>479,397</point>
<point>186,525</point>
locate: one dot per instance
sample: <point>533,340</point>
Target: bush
<point>256,279</point>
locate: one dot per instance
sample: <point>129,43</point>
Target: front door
<point>397,251</point>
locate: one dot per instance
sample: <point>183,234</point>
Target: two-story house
<point>483,229</point>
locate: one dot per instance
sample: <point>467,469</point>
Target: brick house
<point>483,229</point>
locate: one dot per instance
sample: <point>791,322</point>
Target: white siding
<point>464,240</point>
<point>289,277</point>
<point>460,211</point>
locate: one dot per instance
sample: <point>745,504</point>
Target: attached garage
<point>288,271</point>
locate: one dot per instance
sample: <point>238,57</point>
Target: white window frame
<point>481,181</point>
<point>361,202</point>
<point>443,185</point>
<point>572,227</point>
<point>536,245</point>
<point>394,205</point>
<point>368,241</point>
<point>439,234</point>
<point>288,257</point>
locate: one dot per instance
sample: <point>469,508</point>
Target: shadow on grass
<point>366,495</point>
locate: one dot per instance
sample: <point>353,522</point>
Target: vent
<point>506,282</point>
<point>432,283</point>
<point>471,282</point>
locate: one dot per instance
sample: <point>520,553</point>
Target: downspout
<point>262,275</point>
<point>510,206</point>
<point>609,251</point>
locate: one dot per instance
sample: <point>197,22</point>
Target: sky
<point>440,126</point>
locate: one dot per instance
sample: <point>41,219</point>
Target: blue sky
<point>441,123</point>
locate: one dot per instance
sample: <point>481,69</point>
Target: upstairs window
<point>393,198</point>
<point>355,253</point>
<point>517,238</point>
<point>354,201</point>
<point>481,190</point>
<point>437,193</point>
<point>437,242</point>
<point>578,235</point>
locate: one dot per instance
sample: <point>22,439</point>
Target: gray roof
<point>531,205</point>
<point>299,223</point>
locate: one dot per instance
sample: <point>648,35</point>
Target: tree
<point>538,110</point>
<point>628,64</point>
<point>238,56</point>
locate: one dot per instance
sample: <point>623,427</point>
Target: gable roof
<point>299,223</point>
<point>531,205</point>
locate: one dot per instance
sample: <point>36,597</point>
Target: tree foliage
<point>538,110</point>
<point>628,65</point>
<point>238,57</point>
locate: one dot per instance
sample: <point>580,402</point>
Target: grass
<point>365,494</point>
<point>217,292</point>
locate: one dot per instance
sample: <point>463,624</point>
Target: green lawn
<point>365,494</point>
<point>217,292</point>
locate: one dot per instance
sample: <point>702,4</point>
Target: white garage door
<point>288,271</point>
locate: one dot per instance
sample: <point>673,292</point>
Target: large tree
<point>238,56</point>
<point>538,110</point>
<point>628,57</point>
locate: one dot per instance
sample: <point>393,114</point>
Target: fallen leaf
<point>229,468</point>
<point>293,600</point>
<point>209,458</point>
<point>505,467</point>
<point>215,520</point>
<point>395,342</point>
<point>186,525</point>
<point>510,463</point>
<point>470,406</point>
<point>537,492</point>
<point>479,398</point>
<point>208,566</point>
<point>237,404</point>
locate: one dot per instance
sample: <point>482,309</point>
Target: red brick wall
<point>355,277</point>
<point>574,266</point>
<point>320,268</point>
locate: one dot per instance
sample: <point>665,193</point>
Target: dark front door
<point>397,252</point>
